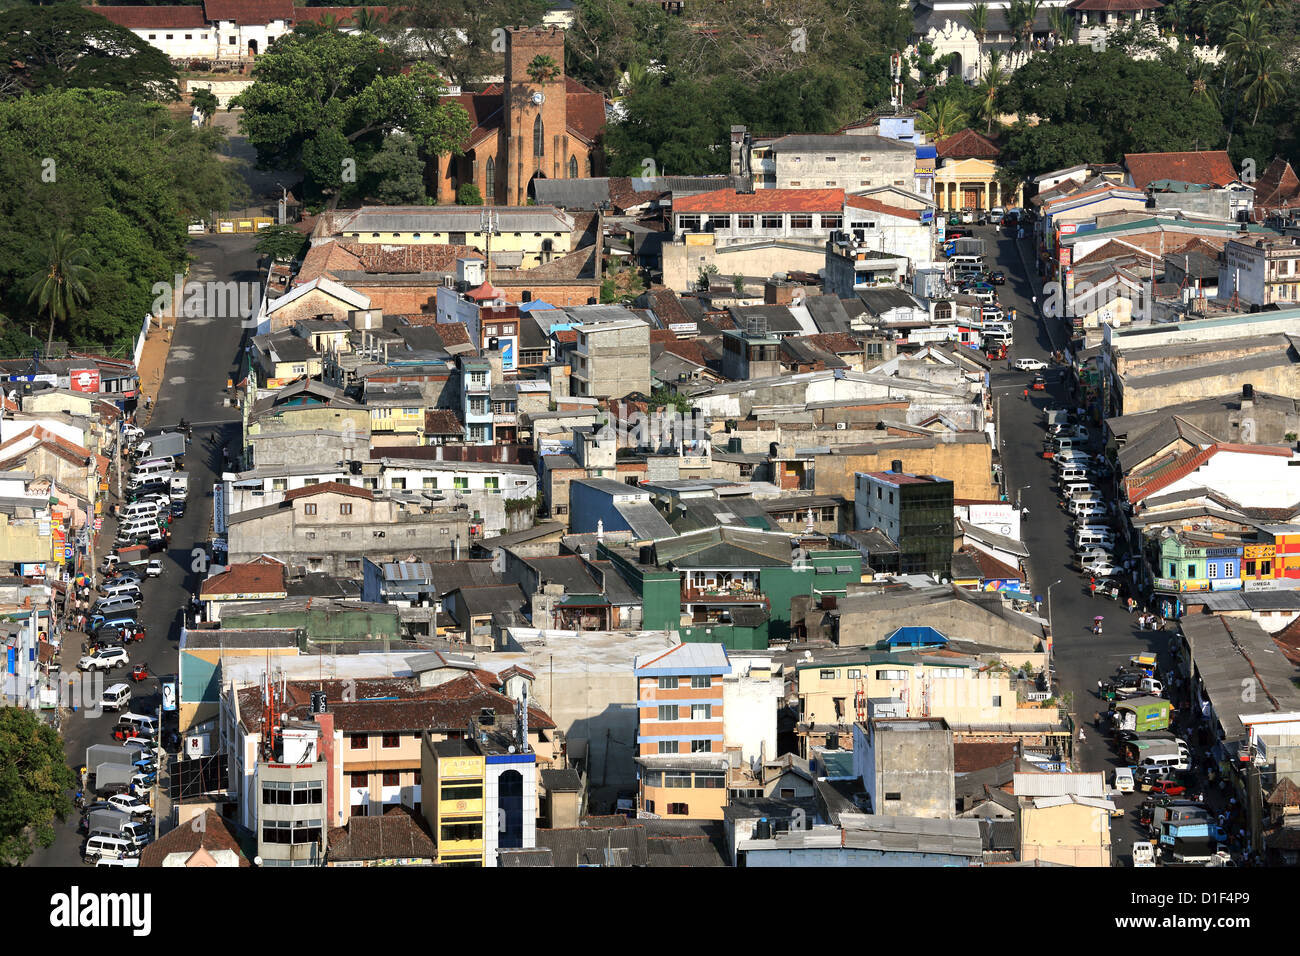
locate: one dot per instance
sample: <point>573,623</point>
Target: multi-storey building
<point>915,511</point>
<point>611,359</point>
<point>681,763</point>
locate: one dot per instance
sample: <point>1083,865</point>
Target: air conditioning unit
<point>841,426</point>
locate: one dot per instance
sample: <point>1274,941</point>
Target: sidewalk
<point>153,365</point>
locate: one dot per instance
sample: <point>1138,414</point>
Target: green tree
<point>205,101</point>
<point>398,172</point>
<point>70,47</point>
<point>59,287</point>
<point>281,243</point>
<point>1060,24</point>
<point>321,99</point>
<point>988,91</point>
<point>978,18</point>
<point>35,780</point>
<point>1262,80</point>
<point>543,68</point>
<point>367,20</point>
<point>469,195</point>
<point>941,118</point>
<point>460,39</point>
<point>705,277</point>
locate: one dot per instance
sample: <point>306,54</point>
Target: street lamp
<point>1018,491</point>
<point>1049,609</point>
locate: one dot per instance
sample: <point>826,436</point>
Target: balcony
<point>737,595</point>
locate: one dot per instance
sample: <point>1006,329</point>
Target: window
<point>430,484</point>
<point>399,484</point>
<point>1191,570</point>
<point>358,741</point>
<point>891,675</point>
<point>997,700</point>
<point>801,222</point>
<point>832,222</point>
<point>796,159</point>
<point>680,779</point>
<point>771,222</point>
<point>460,484</point>
<point>492,484</point>
<point>709,780</point>
<point>359,781</point>
<point>854,673</point>
<point>461,831</point>
<point>279,484</point>
<point>234,40</point>
<point>701,711</point>
<point>309,509</point>
<point>289,832</point>
<point>1250,568</point>
<point>1266,567</point>
<point>677,809</point>
<point>719,222</point>
<point>667,747</point>
<point>491,180</point>
<point>169,36</point>
<point>392,740</point>
<point>947,672</point>
<point>701,681</point>
<point>345,508</point>
<point>893,795</point>
<point>1211,570</point>
<point>744,222</point>
<point>539,137</point>
<point>462,791</point>
<point>668,683</point>
<point>832,182</point>
<point>1173,570</point>
<point>688,223</point>
<point>667,711</point>
<point>392,778</point>
<point>1229,569</point>
<point>829,674</point>
<point>573,167</point>
<point>701,746</point>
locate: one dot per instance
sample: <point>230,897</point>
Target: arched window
<point>490,196</point>
<point>539,137</point>
<point>573,167</point>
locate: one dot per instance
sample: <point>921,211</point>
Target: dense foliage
<point>35,780</point>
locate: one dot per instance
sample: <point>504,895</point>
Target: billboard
<point>84,380</point>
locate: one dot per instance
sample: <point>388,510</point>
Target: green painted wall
<point>732,636</point>
<point>781,584</point>
<point>661,592</point>
<point>323,626</point>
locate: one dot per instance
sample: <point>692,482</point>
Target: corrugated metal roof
<point>1059,784</point>
<point>675,660</point>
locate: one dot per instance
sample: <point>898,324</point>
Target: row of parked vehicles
<point>1081,475</point>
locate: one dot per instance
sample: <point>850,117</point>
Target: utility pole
<point>489,224</point>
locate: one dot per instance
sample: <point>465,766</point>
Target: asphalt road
<point>1081,658</point>
<point>203,355</point>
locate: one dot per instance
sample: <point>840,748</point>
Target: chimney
<point>1247,397</point>
<point>896,466</point>
<point>778,293</point>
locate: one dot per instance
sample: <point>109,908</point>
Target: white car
<point>105,659</point>
<point>1030,364</point>
<point>1101,570</point>
<point>154,567</point>
<point>130,805</point>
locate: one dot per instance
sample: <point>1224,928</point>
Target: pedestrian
<point>1026,395</point>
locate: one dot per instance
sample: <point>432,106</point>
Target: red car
<point>1167,787</point>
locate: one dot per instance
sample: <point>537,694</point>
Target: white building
<point>751,696</point>
<point>1261,272</point>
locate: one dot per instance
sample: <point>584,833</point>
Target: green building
<point>325,620</point>
<point>730,585</point>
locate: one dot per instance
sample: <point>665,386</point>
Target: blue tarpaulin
<point>915,637</point>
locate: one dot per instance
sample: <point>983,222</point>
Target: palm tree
<point>1060,23</point>
<point>978,18</point>
<point>1203,83</point>
<point>942,117</point>
<point>1262,79</point>
<point>329,21</point>
<point>1021,15</point>
<point>1248,35</point>
<point>988,89</point>
<point>60,287</point>
<point>366,20</point>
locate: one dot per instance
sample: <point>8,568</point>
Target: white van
<point>139,509</point>
<point>966,264</point>
<point>1062,444</point>
<point>1073,473</point>
<point>115,697</point>
<point>1074,490</point>
<point>126,587</point>
<point>1090,539</point>
<point>1088,507</point>
<point>137,528</point>
<point>180,486</point>
<point>167,460</point>
<point>1163,763</point>
<point>145,472</point>
<point>1124,779</point>
<point>116,604</point>
<point>100,847</point>
<point>138,723</point>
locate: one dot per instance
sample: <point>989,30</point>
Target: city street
<point>1081,658</point>
<point>205,352</point>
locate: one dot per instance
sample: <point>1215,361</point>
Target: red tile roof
<point>967,144</point>
<point>263,576</point>
<point>164,18</point>
<point>214,833</point>
<point>1162,477</point>
<point>331,487</point>
<point>1279,186</point>
<point>839,343</point>
<point>565,335</point>
<point>329,259</point>
<point>402,260</point>
<point>970,757</point>
<point>1211,166</point>
<point>875,205</point>
<point>763,200</point>
<point>248,11</point>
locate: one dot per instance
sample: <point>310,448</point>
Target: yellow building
<point>967,175</point>
<point>456,816</point>
<point>1069,830</point>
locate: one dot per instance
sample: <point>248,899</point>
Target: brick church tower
<point>525,128</point>
<point>535,121</point>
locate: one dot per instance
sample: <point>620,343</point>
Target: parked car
<point>998,277</point>
<point>1030,364</point>
<point>106,659</point>
<point>129,804</point>
<point>154,567</point>
<point>1039,383</point>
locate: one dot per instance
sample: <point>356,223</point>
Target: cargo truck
<point>115,823</point>
<point>1142,714</point>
